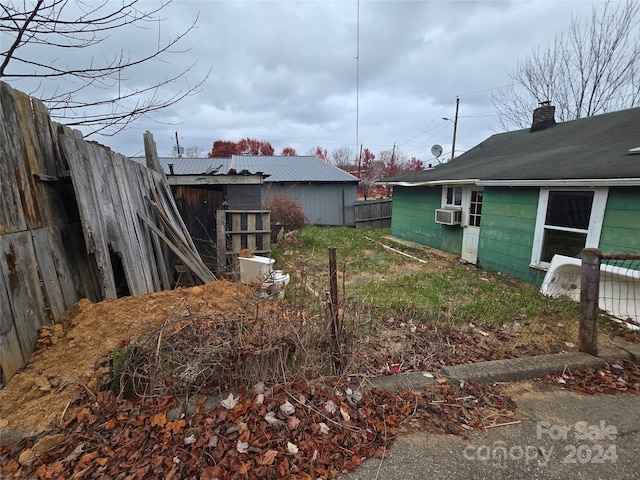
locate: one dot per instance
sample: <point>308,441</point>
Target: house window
<point>475,208</point>
<point>453,197</point>
<point>567,222</point>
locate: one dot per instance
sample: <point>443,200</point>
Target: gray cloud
<point>285,71</point>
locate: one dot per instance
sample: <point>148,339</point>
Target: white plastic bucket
<point>254,270</point>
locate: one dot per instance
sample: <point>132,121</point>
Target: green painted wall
<point>621,225</point>
<point>414,219</point>
<point>507,226</point>
<point>507,230</point>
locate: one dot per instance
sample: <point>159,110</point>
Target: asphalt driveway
<point>560,435</point>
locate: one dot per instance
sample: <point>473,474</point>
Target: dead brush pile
<point>206,352</point>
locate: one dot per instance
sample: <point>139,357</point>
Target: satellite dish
<point>436,150</point>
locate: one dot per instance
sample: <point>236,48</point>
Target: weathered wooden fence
<point>76,221</point>
<point>239,229</point>
<point>373,213</point>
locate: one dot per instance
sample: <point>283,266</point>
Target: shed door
<point>472,212</point>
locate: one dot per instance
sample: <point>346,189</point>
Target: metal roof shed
<point>326,193</point>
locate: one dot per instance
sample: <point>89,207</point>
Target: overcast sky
<point>285,71</point>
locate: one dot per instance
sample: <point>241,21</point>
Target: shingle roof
<point>590,148</point>
<point>277,168</point>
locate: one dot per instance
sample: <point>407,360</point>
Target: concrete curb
<point>509,370</point>
<point>522,368</point>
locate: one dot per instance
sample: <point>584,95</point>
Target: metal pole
<point>358,76</point>
<point>455,130</point>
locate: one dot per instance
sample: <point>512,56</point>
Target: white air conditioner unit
<point>449,216</point>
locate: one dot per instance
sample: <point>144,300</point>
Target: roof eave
<point>254,179</point>
<point>563,182</point>
<point>430,183</point>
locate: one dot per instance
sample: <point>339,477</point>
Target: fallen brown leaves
<point>404,346</point>
<point>614,377</point>
<point>294,431</point>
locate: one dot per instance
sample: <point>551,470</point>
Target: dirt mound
<point>74,354</point>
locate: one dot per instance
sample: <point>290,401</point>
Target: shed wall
<point>244,197</point>
<point>197,206</point>
<point>323,203</point>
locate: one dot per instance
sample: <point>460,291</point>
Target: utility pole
<point>358,76</point>
<point>455,130</point>
<point>178,154</point>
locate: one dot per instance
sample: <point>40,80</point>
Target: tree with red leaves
<point>320,152</point>
<point>246,146</point>
<point>367,173</point>
<point>223,149</point>
<point>414,165</point>
<point>250,146</point>
<point>366,162</point>
<point>394,162</point>
<point>289,152</point>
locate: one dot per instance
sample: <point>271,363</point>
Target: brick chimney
<point>543,117</point>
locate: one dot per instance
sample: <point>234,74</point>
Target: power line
<point>426,129</point>
<point>486,90</point>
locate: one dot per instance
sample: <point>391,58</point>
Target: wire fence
<point>617,277</point>
<point>606,283</point>
<point>620,287</point>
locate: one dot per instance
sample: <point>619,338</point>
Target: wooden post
<point>151,154</point>
<point>221,241</point>
<point>333,306</point>
<point>589,295</point>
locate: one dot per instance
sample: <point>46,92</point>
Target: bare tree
<point>41,34</point>
<point>193,151</point>
<point>342,157</point>
<point>592,68</point>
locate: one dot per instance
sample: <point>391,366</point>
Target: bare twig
<point>515,422</point>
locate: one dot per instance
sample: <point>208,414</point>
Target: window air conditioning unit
<point>449,216</point>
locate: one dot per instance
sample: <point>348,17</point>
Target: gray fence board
<point>12,218</point>
<point>77,154</point>
<point>11,356</point>
<point>19,268</point>
<point>54,251</point>
<point>373,213</point>
<point>47,258</point>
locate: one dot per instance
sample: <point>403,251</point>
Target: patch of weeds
<point>611,328</point>
<point>119,360</point>
<point>431,289</point>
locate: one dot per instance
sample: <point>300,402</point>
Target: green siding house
<point>516,199</point>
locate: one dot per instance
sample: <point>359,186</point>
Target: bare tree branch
<point>20,30</point>
<point>593,68</point>
<point>59,25</point>
<point>342,157</point>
